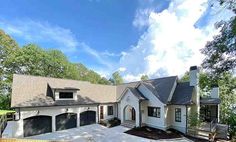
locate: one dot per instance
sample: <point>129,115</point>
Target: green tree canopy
<point>221,51</point>
<point>144,77</point>
<point>34,60</point>
<point>116,78</point>
<point>227,87</point>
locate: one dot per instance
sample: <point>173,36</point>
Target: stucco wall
<point>170,121</point>
<point>49,111</point>
<point>153,101</point>
<point>105,111</point>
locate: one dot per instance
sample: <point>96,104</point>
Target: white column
<point>78,118</point>
<point>53,123</point>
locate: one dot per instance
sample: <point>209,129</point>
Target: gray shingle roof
<point>137,93</point>
<point>160,87</point>
<point>37,91</point>
<point>205,101</point>
<point>183,94</point>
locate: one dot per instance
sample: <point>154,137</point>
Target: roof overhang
<point>210,101</point>
<point>138,96</point>
<point>67,88</point>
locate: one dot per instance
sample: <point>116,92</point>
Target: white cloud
<point>35,31</point>
<point>111,54</point>
<point>31,31</point>
<point>97,55</point>
<point>141,17</point>
<point>171,43</point>
<point>122,69</point>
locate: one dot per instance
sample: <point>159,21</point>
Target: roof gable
<point>182,94</point>
<point>133,91</point>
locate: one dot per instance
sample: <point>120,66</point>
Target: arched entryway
<point>129,113</point>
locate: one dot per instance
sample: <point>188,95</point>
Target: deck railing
<point>213,124</point>
<point>3,123</point>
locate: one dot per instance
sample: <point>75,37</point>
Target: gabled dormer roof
<point>135,92</point>
<point>183,94</point>
<point>160,87</point>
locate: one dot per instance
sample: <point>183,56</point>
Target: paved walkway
<point>97,133</point>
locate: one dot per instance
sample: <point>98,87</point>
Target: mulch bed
<point>152,133</point>
<point>156,134</point>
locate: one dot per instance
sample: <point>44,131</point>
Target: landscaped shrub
<point>110,123</point>
<point>102,122</point>
<point>113,122</point>
<point>193,120</point>
<point>232,125</point>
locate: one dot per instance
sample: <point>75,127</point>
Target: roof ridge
<point>38,76</point>
<point>147,80</point>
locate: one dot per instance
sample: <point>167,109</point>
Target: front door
<point>101,112</point>
<point>133,114</point>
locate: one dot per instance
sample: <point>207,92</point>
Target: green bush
<point>193,120</point>
<point>114,122</point>
<point>232,124</point>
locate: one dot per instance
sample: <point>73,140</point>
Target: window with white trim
<point>66,95</point>
<point>154,112</point>
<point>110,110</point>
<point>177,114</point>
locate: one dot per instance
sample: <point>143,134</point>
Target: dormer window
<point>66,95</point>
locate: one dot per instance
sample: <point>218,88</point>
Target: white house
<point>49,104</point>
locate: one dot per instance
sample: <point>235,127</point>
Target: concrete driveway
<point>97,133</point>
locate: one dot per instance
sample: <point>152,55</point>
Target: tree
<point>221,51</point>
<point>116,78</point>
<point>4,102</point>
<point>144,77</point>
<point>8,47</point>
<point>86,74</point>
<point>227,87</point>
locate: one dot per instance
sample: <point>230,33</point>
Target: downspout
<point>117,110</point>
<point>186,129</point>
<point>140,114</point>
<point>98,113</point>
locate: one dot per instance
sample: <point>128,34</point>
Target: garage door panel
<point>66,121</point>
<point>87,117</point>
<point>33,125</point>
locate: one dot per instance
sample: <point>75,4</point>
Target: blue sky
<point>157,38</point>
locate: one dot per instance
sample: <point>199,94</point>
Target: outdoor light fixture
<point>67,109</point>
<point>37,112</point>
<point>88,108</point>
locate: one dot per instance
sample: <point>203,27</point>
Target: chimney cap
<point>193,68</point>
